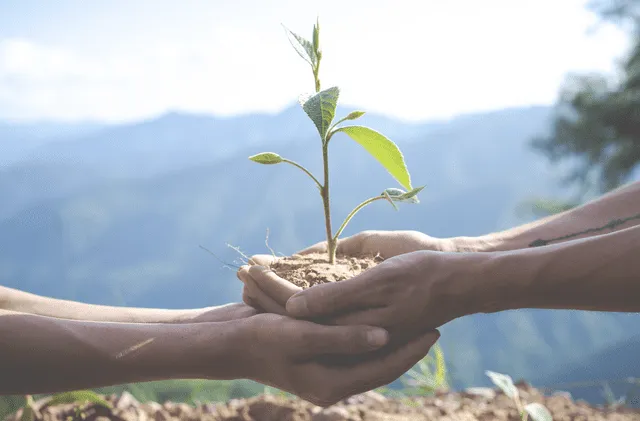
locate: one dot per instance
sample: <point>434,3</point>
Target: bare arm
<point>616,210</point>
<point>24,302</point>
<point>600,273</point>
<point>41,354</point>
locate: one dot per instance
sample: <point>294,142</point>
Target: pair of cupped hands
<point>335,340</point>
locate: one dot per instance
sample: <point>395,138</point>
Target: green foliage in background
<point>596,119</point>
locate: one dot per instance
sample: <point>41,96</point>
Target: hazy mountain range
<point>114,214</point>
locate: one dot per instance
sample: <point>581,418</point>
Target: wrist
<point>219,351</point>
<point>504,280</point>
<point>183,351</point>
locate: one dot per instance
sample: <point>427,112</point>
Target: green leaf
<point>316,35</point>
<point>389,199</point>
<point>504,382</point>
<point>399,195</point>
<point>80,396</point>
<point>321,108</point>
<point>538,412</point>
<point>383,150</point>
<point>354,114</point>
<point>267,158</point>
<point>303,47</point>
<point>28,413</point>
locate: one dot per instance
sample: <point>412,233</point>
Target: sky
<point>125,60</point>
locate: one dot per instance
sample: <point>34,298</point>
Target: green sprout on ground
<point>79,397</point>
<point>428,376</point>
<point>537,411</point>
<point>321,109</point>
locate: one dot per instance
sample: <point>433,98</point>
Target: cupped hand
<point>404,294</point>
<point>324,364</point>
<point>275,292</point>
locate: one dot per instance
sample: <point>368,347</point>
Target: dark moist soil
<point>312,269</point>
<point>482,404</point>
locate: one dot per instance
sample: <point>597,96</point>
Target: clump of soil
<point>476,404</point>
<point>308,270</point>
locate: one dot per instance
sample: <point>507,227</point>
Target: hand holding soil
<point>405,294</point>
<point>356,254</point>
<point>306,359</point>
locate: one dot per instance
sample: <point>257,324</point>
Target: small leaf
<point>412,196</point>
<point>538,412</point>
<point>81,396</point>
<point>354,114</point>
<point>267,158</point>
<point>316,35</point>
<point>303,47</point>
<point>321,108</point>
<point>383,150</point>
<point>399,195</point>
<point>504,382</point>
<point>28,412</point>
<point>389,199</point>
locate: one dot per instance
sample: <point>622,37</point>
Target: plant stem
<point>295,164</point>
<point>353,213</point>
<point>324,191</point>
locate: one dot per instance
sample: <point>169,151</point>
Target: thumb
<point>342,340</point>
<point>334,297</point>
<point>320,247</point>
<point>348,246</point>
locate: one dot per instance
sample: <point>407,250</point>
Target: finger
<point>316,340</point>
<point>320,247</point>
<point>261,299</point>
<point>262,260</point>
<point>374,373</point>
<point>346,246</point>
<point>358,293</point>
<point>271,284</point>
<point>375,316</point>
<point>246,298</point>
<point>243,273</point>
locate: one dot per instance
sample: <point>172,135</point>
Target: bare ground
<point>474,404</point>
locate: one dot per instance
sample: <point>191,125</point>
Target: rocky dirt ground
<point>474,404</point>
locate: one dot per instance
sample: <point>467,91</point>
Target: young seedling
<point>321,109</point>
<point>537,411</point>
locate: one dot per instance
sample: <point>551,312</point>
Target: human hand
<point>404,294</point>
<point>322,364</point>
<point>387,244</point>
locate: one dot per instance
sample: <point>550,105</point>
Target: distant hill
<point>116,216</point>
<point>18,139</point>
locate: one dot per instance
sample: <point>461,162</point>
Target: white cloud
<point>428,61</point>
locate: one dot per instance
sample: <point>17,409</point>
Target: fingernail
<point>297,306</point>
<point>377,337</point>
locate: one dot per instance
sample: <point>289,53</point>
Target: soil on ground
<point>312,269</point>
<point>480,404</point>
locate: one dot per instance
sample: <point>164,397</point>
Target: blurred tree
<point>597,117</point>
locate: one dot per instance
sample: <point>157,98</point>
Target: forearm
<point>47,355</point>
<point>615,211</point>
<point>600,273</point>
<point>24,302</point>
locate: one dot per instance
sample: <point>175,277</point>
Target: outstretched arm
<point>41,354</point>
<point>24,302</point>
<point>600,273</point>
<point>616,210</point>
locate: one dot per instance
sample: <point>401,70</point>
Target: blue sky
<point>120,60</point>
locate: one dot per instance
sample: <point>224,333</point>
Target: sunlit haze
<point>120,60</point>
